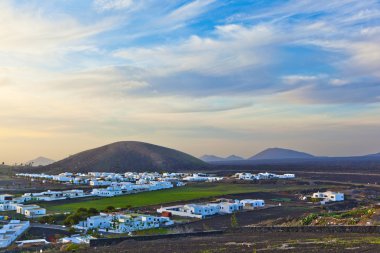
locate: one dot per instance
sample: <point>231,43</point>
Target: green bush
<point>309,219</point>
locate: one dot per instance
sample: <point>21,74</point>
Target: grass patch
<point>189,192</point>
<point>281,200</point>
<point>153,231</point>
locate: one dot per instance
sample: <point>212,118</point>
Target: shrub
<point>309,219</point>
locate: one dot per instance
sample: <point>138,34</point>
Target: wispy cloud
<point>105,5</point>
<point>234,47</point>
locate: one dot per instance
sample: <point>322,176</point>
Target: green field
<point>189,192</point>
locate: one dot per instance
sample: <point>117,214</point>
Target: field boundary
<point>309,229</point>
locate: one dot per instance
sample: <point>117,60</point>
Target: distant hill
<point>233,158</point>
<point>374,155</point>
<point>126,156</point>
<point>40,161</point>
<point>213,158</point>
<point>280,153</point>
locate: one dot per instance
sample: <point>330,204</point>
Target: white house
<point>8,206</point>
<point>102,221</point>
<point>77,239</point>
<point>119,223</point>
<point>252,203</point>
<point>110,191</point>
<point>5,198</point>
<point>53,195</point>
<point>100,183</point>
<point>329,196</point>
<point>20,208</point>
<point>12,230</point>
<point>230,207</point>
<point>203,210</point>
<point>62,178</point>
<point>35,212</point>
<point>196,178</point>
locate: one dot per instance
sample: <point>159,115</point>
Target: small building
<point>20,208</point>
<point>230,207</point>
<point>35,212</point>
<point>110,191</point>
<point>329,196</point>
<point>5,198</point>
<point>77,239</point>
<point>120,223</point>
<point>252,203</point>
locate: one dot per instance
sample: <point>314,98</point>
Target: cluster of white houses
<point>11,231</point>
<point>106,178</point>
<point>262,176</point>
<point>8,203</point>
<point>122,223</point>
<point>201,211</point>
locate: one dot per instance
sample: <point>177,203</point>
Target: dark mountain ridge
<point>126,156</point>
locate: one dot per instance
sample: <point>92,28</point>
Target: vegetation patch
<point>281,200</point>
<point>352,217</point>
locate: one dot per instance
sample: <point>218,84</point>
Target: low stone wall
<point>309,229</point>
<point>113,241</point>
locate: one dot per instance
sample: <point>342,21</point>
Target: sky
<point>202,76</point>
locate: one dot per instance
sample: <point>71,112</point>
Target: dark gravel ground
<point>250,242</point>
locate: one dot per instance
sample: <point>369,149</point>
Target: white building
<point>6,198</point>
<point>230,207</point>
<point>120,223</point>
<point>12,230</point>
<point>53,195</point>
<point>77,239</point>
<point>35,212</point>
<point>329,196</point>
<point>203,210</point>
<point>196,178</point>
<point>262,176</point>
<point>8,206</point>
<point>100,183</point>
<point>110,191</point>
<point>252,203</point>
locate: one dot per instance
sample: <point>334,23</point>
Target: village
<point>119,221</point>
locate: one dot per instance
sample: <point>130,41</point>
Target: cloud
<point>338,82</point>
<point>188,11</point>
<point>234,47</point>
<point>106,5</point>
<point>297,79</point>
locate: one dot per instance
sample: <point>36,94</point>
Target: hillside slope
<point>126,156</point>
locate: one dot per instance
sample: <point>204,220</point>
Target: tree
<point>110,209</point>
<point>234,221</point>
<point>92,211</point>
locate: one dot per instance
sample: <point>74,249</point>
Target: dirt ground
<point>248,242</point>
